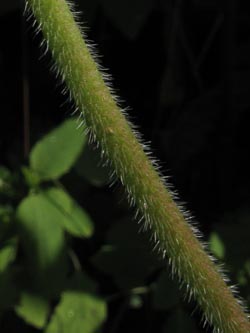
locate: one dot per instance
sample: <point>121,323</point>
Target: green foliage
<point>44,280</point>
<point>216,246</point>
<point>33,309</point>
<point>7,255</point>
<point>42,241</point>
<point>234,226</point>
<point>35,255</point>
<point>76,312</point>
<point>109,128</point>
<point>54,155</point>
<point>8,290</point>
<point>67,212</point>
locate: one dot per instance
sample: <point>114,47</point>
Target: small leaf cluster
<point>38,281</point>
<point>46,283</point>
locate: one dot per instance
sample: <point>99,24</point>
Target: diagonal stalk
<point>108,127</point>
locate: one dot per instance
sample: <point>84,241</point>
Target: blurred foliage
<point>76,312</point>
<point>65,136</point>
<point>44,280</point>
<point>71,258</point>
<point>54,288</point>
<point>35,252</point>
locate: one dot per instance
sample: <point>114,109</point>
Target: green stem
<point>109,128</point>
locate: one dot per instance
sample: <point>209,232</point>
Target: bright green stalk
<point>109,128</point>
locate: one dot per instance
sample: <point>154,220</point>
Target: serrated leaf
<point>128,16</point>
<point>43,243</point>
<point>77,312</point>
<point>34,309</point>
<point>126,255</point>
<point>70,215</point>
<point>216,245</point>
<point>55,153</point>
<point>166,293</point>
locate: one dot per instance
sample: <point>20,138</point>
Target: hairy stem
<point>108,127</point>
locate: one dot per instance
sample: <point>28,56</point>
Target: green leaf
<point>216,245</point>
<point>43,243</point>
<point>126,255</point>
<point>129,16</point>
<point>88,166</point>
<point>33,309</point>
<point>166,293</point>
<point>6,182</point>
<point>7,255</point>
<point>68,213</point>
<point>8,288</point>
<point>77,312</point>
<point>31,177</point>
<point>5,174</point>
<point>55,154</point>
<point>6,214</point>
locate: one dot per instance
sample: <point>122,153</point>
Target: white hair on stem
<point>162,243</point>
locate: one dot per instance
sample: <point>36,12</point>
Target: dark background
<point>183,68</point>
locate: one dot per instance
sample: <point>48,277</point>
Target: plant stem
<point>108,127</point>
